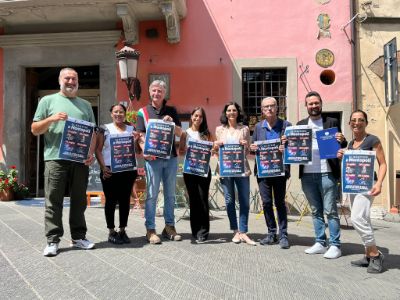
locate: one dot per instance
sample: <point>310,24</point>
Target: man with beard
<point>49,120</point>
<point>319,181</point>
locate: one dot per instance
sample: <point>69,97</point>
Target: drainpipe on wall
<point>376,212</point>
<point>391,205</point>
<point>353,54</point>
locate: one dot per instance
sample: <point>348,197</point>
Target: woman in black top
<point>361,203</point>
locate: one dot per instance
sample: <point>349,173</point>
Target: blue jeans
<point>157,170</point>
<point>321,192</point>
<point>243,188</point>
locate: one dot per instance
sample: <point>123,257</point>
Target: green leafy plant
<point>9,181</point>
<point>131,117</point>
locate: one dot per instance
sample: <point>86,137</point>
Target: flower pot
<point>6,195</point>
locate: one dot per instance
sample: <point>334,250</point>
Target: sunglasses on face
<point>359,120</point>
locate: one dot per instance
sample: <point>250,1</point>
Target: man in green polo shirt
<point>49,120</point>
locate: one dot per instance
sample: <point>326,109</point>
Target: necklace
<point>358,143</point>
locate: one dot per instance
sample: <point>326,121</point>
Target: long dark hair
<point>240,118</point>
<point>203,130</point>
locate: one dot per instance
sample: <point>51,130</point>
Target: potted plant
<point>131,117</point>
<point>10,188</point>
<point>21,191</point>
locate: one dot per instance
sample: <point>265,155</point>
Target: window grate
<point>260,83</point>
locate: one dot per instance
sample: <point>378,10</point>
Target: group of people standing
<point>319,180</point>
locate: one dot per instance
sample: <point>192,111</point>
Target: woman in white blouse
<point>197,186</point>
<point>232,131</point>
<point>117,187</point>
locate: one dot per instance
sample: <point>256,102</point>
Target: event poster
<point>197,158</point>
<point>159,138</point>
<point>269,159</point>
<point>231,160</point>
<point>328,145</point>
<point>357,171</point>
<point>298,149</point>
<point>76,140</point>
<point>122,153</point>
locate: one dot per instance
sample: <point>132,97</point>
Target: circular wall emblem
<point>325,58</point>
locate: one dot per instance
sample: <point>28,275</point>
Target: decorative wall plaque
<point>325,58</point>
<point>323,21</point>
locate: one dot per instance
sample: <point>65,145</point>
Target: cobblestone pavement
<point>217,269</point>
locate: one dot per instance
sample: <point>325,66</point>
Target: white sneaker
<point>83,244</point>
<point>333,252</point>
<point>317,248</point>
<point>51,249</point>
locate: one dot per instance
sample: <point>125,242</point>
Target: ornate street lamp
<point>128,59</point>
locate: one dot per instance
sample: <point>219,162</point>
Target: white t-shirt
<point>318,165</point>
<point>111,129</point>
<point>192,134</point>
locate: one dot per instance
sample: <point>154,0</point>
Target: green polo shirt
<point>77,108</point>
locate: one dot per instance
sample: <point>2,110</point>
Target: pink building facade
<point>219,50</point>
<point>221,39</point>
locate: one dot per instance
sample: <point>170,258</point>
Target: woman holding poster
<point>233,132</point>
<point>117,186</point>
<point>361,203</point>
<point>197,186</point>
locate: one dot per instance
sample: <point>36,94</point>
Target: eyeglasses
<point>268,106</point>
<point>359,120</point>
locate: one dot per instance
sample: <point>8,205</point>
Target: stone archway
<point>45,54</point>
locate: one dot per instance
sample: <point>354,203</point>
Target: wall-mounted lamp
<point>128,59</point>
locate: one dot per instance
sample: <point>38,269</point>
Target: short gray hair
<point>66,70</point>
<point>159,83</point>
<point>270,98</point>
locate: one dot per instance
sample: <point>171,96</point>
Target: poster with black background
<point>298,149</point>
<point>197,158</point>
<point>122,153</point>
<point>76,139</point>
<point>159,138</point>
<point>231,160</point>
<point>358,171</point>
<point>269,159</point>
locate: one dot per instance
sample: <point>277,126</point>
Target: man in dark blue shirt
<point>271,128</point>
